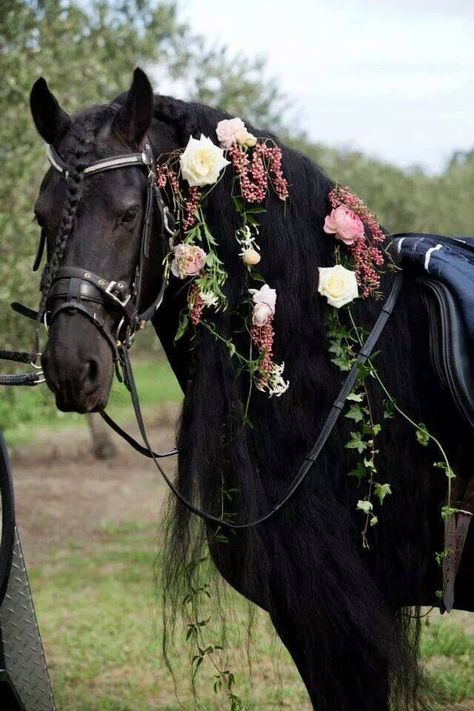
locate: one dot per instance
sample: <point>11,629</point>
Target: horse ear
<point>134,118</point>
<point>50,120</point>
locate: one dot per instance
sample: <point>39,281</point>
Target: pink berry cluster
<point>367,254</point>
<point>166,174</point>
<point>274,158</point>
<point>262,337</point>
<point>195,305</point>
<point>255,170</point>
<point>190,207</point>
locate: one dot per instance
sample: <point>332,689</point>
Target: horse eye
<point>129,215</point>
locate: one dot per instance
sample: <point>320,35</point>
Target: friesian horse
<point>348,615</point>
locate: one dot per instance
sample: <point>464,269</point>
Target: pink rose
<point>264,300</point>
<point>188,260</point>
<point>230,131</point>
<point>345,224</point>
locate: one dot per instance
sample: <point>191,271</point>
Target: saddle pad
<point>447,259</point>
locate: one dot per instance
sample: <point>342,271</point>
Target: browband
<point>98,166</point>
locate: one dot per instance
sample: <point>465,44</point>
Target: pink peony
<point>345,224</point>
<point>188,260</point>
<point>264,300</point>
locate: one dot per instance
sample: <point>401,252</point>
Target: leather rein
<point>78,289</point>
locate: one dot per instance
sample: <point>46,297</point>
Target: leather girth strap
<point>455,531</point>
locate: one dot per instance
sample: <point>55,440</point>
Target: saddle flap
<point>450,346</point>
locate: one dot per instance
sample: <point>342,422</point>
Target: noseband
<point>79,289</point>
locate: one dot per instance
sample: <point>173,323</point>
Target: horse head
<point>93,219</point>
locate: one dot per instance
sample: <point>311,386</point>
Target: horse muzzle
<point>77,364</point>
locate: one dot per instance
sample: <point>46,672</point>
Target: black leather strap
<point>24,310</point>
<point>132,441</point>
<point>40,250</point>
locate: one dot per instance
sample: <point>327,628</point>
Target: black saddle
<point>444,269</point>
<point>451,348</point>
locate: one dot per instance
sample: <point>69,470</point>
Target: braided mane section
<point>82,135</point>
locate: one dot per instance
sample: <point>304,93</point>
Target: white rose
<point>201,162</point>
<point>338,285</point>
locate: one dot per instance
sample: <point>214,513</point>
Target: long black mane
<point>309,558</point>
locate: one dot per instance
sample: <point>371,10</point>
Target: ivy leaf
<point>365,506</point>
<point>422,435</point>
<point>360,472</point>
<point>342,362</point>
<point>356,442</point>
<point>370,464</point>
<point>388,409</point>
<point>355,397</point>
<point>355,413</point>
<point>447,512</point>
<point>381,491</point>
<point>183,324</point>
<point>447,469</point>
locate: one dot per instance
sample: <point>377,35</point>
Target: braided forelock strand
<point>78,157</point>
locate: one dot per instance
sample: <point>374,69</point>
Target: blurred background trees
<point>87,51</point>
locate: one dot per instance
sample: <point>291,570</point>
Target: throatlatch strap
<point>314,453</point>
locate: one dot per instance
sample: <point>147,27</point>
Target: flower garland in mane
<point>190,175</point>
<point>256,165</point>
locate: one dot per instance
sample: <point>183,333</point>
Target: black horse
<point>347,615</point>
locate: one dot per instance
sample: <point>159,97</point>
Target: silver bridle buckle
<point>121,302</point>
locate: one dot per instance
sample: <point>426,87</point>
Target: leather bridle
<point>81,289</point>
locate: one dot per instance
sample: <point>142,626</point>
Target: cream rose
<point>338,285</point>
<point>201,162</point>
<point>188,260</point>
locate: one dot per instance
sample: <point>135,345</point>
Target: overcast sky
<point>394,78</point>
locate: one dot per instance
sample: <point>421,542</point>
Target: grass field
<point>99,609</point>
<point>99,602</point>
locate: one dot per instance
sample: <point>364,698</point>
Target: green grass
<point>99,612</point>
<point>27,413</point>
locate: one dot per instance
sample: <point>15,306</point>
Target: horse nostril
<point>91,370</point>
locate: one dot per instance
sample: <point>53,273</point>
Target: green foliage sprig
<point>344,343</point>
